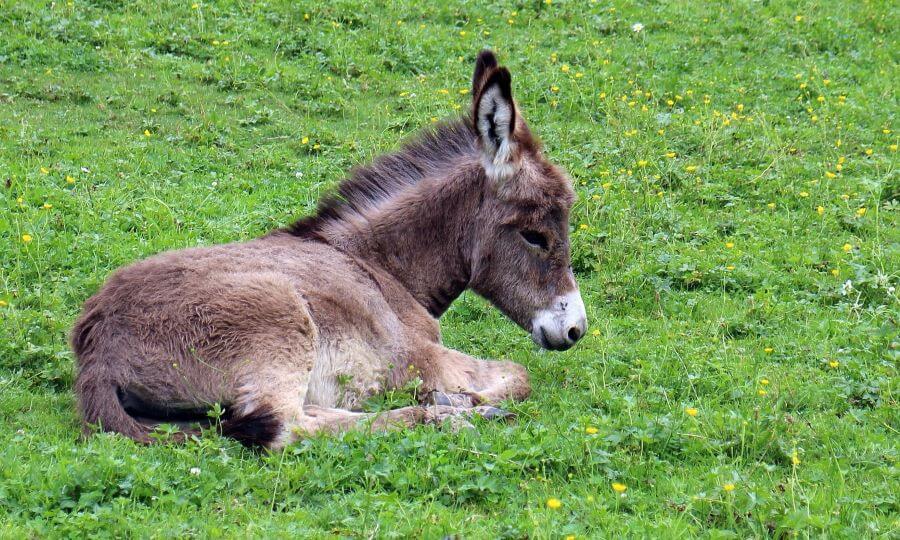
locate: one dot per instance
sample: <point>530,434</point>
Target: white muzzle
<point>560,325</point>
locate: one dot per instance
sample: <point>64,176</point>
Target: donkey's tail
<point>101,408</point>
<point>104,407</point>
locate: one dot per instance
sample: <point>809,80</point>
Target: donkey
<point>293,331</point>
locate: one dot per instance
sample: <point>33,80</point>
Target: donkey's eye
<point>535,238</point>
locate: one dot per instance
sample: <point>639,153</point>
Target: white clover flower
<point>847,287</point>
<point>195,471</point>
<point>637,27</point>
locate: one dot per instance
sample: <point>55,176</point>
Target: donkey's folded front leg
<point>449,372</point>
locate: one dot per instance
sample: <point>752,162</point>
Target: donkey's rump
<point>166,338</point>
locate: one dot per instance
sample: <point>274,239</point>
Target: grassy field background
<point>736,239</point>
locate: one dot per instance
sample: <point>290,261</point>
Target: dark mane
<point>430,153</point>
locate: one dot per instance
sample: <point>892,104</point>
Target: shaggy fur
<point>291,332</point>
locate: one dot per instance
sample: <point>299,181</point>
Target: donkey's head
<point>521,263</point>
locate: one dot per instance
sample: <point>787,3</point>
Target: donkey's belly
<point>347,373</point>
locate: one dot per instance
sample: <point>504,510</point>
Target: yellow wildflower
<point>829,174</point>
<point>619,487</point>
<point>45,170</point>
<point>304,140</point>
<point>670,155</point>
<point>691,411</point>
<point>147,133</point>
<point>642,163</point>
<point>861,211</point>
<point>771,205</point>
<point>26,238</point>
<point>564,68</point>
<point>583,226</point>
<point>847,248</point>
<point>768,350</point>
<point>70,180</point>
<point>690,168</point>
<point>591,430</point>
<point>834,364</point>
<point>761,392</point>
<point>553,503</point>
<point>804,194</point>
<point>3,303</point>
<point>820,210</point>
<point>764,382</point>
<point>728,487</point>
<point>47,206</point>
<point>868,151</point>
<point>795,458</point>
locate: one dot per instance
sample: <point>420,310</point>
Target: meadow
<point>736,240</point>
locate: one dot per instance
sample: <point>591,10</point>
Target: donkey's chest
<point>349,371</point>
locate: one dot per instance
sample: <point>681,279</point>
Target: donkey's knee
<point>513,380</point>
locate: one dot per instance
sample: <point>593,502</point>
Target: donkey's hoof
<point>455,424</point>
<point>494,413</point>
<point>436,397</point>
<point>453,418</point>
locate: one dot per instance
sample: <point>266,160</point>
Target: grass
<point>736,240</point>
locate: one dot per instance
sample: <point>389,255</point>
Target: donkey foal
<point>291,332</point>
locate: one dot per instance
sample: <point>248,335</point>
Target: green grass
<point>228,93</point>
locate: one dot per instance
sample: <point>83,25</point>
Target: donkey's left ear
<point>495,119</point>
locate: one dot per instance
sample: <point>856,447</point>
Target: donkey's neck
<point>423,237</point>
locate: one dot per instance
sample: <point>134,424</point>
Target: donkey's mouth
<point>545,343</point>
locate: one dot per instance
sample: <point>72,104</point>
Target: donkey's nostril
<point>574,334</point>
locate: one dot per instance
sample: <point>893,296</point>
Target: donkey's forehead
<point>546,183</point>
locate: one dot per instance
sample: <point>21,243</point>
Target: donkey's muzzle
<point>562,324</point>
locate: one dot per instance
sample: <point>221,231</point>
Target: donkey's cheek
<point>561,324</point>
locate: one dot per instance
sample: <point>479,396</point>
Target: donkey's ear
<point>484,64</point>
<point>495,119</point>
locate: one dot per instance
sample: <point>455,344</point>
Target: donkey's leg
<point>294,424</point>
<point>271,413</point>
<point>339,420</point>
<point>449,373</point>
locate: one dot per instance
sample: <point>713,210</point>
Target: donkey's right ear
<point>484,64</point>
<point>494,116</point>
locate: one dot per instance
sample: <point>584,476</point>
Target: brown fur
<point>292,331</point>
